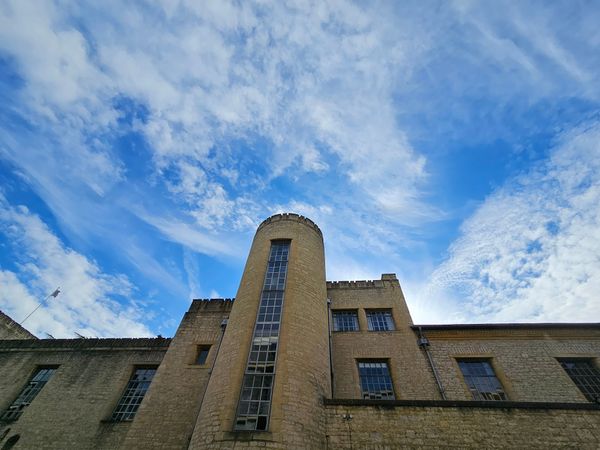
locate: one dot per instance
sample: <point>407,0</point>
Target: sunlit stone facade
<point>300,362</point>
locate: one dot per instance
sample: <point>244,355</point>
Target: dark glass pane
<point>260,368</point>
<point>29,392</point>
<point>380,320</point>
<point>375,380</point>
<point>134,394</point>
<point>585,375</point>
<point>481,380</point>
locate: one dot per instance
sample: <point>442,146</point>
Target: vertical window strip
<point>254,405</point>
<point>29,392</point>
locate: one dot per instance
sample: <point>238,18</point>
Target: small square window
<point>585,375</point>
<point>481,379</point>
<point>380,320</point>
<point>345,320</point>
<point>375,380</point>
<point>202,355</point>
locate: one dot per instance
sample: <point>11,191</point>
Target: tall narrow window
<point>345,321</point>
<point>481,380</point>
<point>585,375</point>
<point>375,380</point>
<point>254,406</point>
<point>380,320</point>
<point>29,392</point>
<point>134,394</point>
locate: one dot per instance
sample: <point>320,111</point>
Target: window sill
<point>112,421</point>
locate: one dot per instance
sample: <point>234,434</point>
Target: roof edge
<point>507,326</point>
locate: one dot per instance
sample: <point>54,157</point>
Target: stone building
<point>303,363</point>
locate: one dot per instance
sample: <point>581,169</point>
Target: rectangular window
<point>481,380</point>
<point>375,380</point>
<point>29,392</point>
<point>254,406</point>
<point>585,375</point>
<point>345,320</point>
<point>202,356</point>
<point>134,394</point>
<point>380,320</point>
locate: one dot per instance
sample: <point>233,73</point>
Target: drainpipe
<point>424,344</point>
<point>330,345</point>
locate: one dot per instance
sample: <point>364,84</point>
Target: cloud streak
<point>530,251</point>
<point>92,303</point>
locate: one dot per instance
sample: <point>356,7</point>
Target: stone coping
<point>85,344</point>
<point>462,404</point>
<point>507,326</point>
<point>290,216</point>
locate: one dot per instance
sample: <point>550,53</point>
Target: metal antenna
<point>54,294</point>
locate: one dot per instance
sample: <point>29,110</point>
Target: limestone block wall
<point>405,427</point>
<point>523,357</point>
<point>9,329</point>
<point>170,408</point>
<point>411,375</point>
<point>72,409</point>
<point>302,367</point>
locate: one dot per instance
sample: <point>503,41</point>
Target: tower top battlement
<point>290,216</point>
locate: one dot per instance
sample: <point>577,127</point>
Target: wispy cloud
<point>184,124</point>
<point>530,251</point>
<point>92,302</point>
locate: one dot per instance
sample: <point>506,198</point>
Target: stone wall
<point>409,370</point>
<point>170,408</point>
<point>402,427</point>
<point>73,408</point>
<point>9,329</point>
<point>302,368</point>
<point>523,357</point>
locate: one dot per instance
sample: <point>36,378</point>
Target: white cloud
<point>92,303</point>
<point>242,98</point>
<point>531,251</point>
<point>212,75</point>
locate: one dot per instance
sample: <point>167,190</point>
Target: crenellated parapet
<point>291,217</point>
<point>211,304</point>
<point>386,279</point>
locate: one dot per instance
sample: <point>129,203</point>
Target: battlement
<point>389,278</point>
<point>291,216</point>
<point>211,304</point>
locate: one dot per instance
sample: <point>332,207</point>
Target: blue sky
<point>454,143</point>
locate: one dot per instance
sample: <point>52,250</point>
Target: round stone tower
<point>272,369</point>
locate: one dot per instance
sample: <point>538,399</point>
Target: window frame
<point>385,361</point>
<point>199,349</point>
<point>592,361</point>
<point>479,395</point>
<point>381,310</point>
<point>344,311</point>
<point>15,410</point>
<point>121,416</point>
<point>253,411</point>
